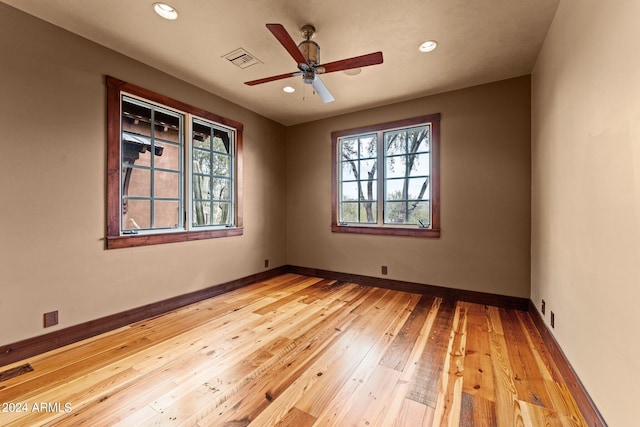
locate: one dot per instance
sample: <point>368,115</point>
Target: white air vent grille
<point>241,58</point>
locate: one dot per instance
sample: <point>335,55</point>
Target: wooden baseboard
<point>11,353</point>
<point>503,301</point>
<point>579,393</point>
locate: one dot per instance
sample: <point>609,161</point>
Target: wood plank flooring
<point>301,351</point>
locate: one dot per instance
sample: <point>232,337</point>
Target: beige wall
<point>485,192</point>
<point>52,188</point>
<point>586,195</point>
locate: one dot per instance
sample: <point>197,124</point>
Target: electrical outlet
<point>384,270</point>
<point>543,307</point>
<point>553,320</point>
<point>266,263</point>
<point>51,318</point>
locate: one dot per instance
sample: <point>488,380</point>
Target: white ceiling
<point>479,41</point>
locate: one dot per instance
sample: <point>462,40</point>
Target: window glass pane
<point>349,212</point>
<point>219,143</point>
<point>395,143</point>
<point>418,188</point>
<point>419,213</point>
<point>167,184</point>
<point>167,156</point>
<point>167,125</point>
<point>136,149</point>
<point>419,164</point>
<point>349,149</point>
<point>348,173</point>
<point>201,187</point>
<point>136,182</point>
<point>395,212</point>
<point>418,139</point>
<point>221,165</point>
<point>136,117</point>
<point>368,147</point>
<point>368,169</point>
<point>370,190</point>
<point>221,189</point>
<point>352,169</point>
<point>202,161</point>
<point>199,139</point>
<point>202,213</point>
<point>369,212</point>
<point>166,214</point>
<point>221,213</point>
<point>395,166</point>
<point>395,189</point>
<point>137,216</point>
<point>350,191</point>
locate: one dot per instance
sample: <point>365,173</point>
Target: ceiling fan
<point>307,56</point>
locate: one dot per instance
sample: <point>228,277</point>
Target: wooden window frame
<point>114,238</point>
<point>387,229</point>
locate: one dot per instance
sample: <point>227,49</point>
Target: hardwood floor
<point>300,351</point>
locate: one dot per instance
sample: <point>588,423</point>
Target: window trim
<point>114,238</point>
<point>390,229</point>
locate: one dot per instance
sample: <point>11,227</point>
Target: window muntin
<point>152,141</point>
<point>402,197</point>
<point>358,183</point>
<point>212,175</point>
<point>152,171</point>
<point>407,176</point>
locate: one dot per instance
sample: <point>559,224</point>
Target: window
<point>173,170</point>
<point>401,197</point>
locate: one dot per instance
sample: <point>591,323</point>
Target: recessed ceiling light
<point>428,46</point>
<point>288,89</point>
<point>166,11</point>
<point>353,71</point>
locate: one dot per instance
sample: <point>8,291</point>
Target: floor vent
<point>241,58</point>
<point>14,372</point>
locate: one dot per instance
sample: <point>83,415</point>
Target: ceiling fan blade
<point>322,90</point>
<point>272,78</point>
<point>355,62</point>
<point>287,42</point>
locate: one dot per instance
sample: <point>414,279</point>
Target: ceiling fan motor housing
<point>311,52</point>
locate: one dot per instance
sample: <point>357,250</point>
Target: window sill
<point>117,242</point>
<point>386,231</point>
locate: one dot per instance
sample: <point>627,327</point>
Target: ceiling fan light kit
<point>307,56</point>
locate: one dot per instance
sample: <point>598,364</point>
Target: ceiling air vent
<point>241,58</point>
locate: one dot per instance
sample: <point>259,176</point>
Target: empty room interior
<point>402,237</point>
